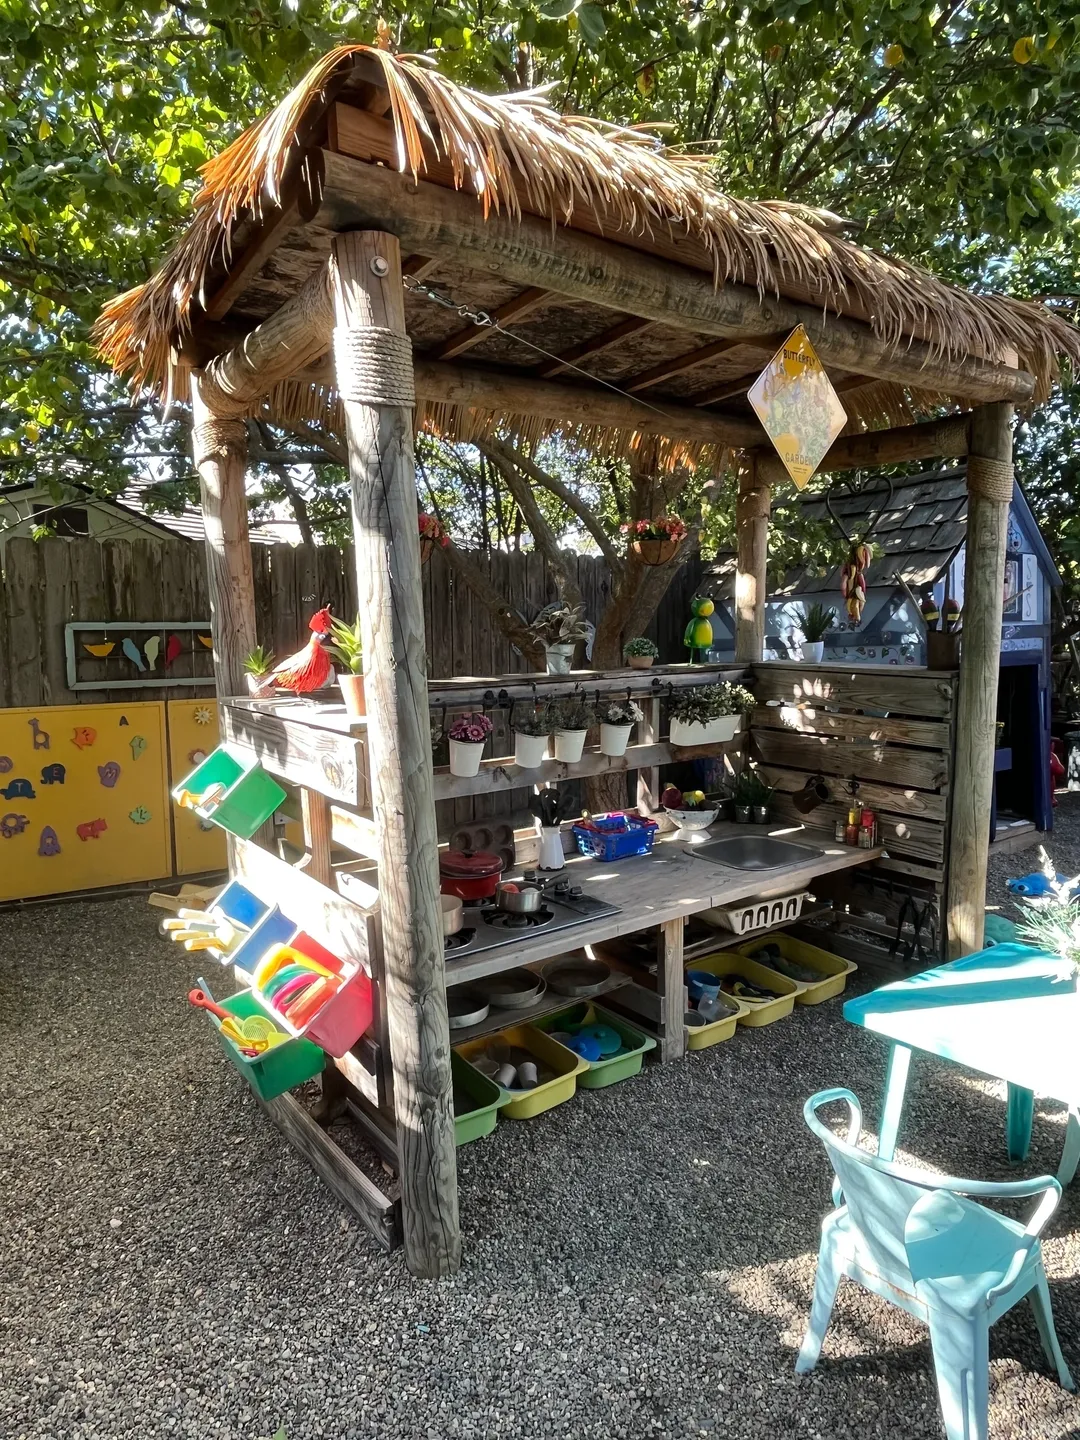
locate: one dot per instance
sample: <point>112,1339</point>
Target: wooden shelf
<point>548,1004</point>
<point>465,690</point>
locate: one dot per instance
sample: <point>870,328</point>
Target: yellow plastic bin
<point>565,1065</point>
<point>763,1012</point>
<point>700,1037</point>
<point>832,969</point>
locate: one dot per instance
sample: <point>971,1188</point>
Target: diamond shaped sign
<point>796,403</point>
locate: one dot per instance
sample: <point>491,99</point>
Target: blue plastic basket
<point>615,836</point>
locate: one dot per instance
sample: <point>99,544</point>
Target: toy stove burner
<point>507,920</point>
<point>459,940</point>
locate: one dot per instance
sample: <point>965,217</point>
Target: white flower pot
<point>724,727</point>
<point>551,851</point>
<point>529,750</point>
<point>569,745</point>
<point>613,739</point>
<point>465,756</point>
<point>813,650</point>
<point>558,659</point>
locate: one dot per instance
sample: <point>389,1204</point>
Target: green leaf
<point>558,9</point>
<point>591,23</point>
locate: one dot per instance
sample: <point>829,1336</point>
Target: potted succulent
<point>656,540</point>
<point>640,652</point>
<point>559,627</point>
<point>468,735</point>
<point>532,731</point>
<point>432,533</point>
<point>704,714</point>
<point>752,797</point>
<point>815,624</point>
<point>570,719</point>
<point>347,648</point>
<point>617,718</point>
<point>257,667</point>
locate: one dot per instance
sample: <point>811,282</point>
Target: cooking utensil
<point>518,899</point>
<point>465,1006</point>
<point>552,806</point>
<point>453,913</point>
<point>577,977</point>
<point>469,874</point>
<point>202,1001</point>
<point>512,990</point>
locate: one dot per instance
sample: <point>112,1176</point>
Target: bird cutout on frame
<point>207,640</point>
<point>133,653</point>
<point>40,737</point>
<point>139,816</point>
<point>84,736</point>
<point>150,650</point>
<point>101,649</point>
<point>173,647</point>
<point>800,411</point>
<point>91,829</point>
<point>109,773</point>
<point>53,774</point>
<point>202,715</point>
<point>138,745</point>
<point>49,843</point>
<point>12,825</point>
<point>6,764</point>
<point>19,789</point>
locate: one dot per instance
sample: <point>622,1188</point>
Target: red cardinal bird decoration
<point>309,669</point>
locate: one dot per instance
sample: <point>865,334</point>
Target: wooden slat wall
<point>892,730</point>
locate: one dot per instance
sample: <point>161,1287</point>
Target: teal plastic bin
<point>625,1062</point>
<point>277,1070</point>
<point>250,795</point>
<point>477,1101</point>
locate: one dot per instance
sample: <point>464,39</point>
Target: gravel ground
<point>638,1263</point>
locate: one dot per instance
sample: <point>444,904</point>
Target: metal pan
<point>512,990</point>
<point>453,913</point>
<point>521,900</point>
<point>576,976</point>
<point>465,1007</point>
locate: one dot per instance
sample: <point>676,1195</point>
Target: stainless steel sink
<point>754,852</point>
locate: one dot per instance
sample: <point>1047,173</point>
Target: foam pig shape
<point>90,829</point>
<point>48,844</point>
<point>108,774</point>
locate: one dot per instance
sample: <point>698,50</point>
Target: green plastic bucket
<point>275,1071</point>
<point>251,795</point>
<point>626,1061</point>
<point>477,1101</point>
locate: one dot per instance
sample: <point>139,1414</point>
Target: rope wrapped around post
<point>990,479</point>
<point>374,366</point>
<point>218,437</point>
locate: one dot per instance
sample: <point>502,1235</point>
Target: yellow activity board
<point>83,798</point>
<point>194,732</point>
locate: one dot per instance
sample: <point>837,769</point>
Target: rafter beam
<point>516,308</point>
<point>526,251</point>
<point>678,364</point>
<point>606,340</point>
<point>929,440</point>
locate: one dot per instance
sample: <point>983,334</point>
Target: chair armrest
<point>1042,1212</point>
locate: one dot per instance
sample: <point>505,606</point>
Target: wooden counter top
<point>667,885</point>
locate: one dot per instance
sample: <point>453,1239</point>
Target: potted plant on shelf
<point>257,667</point>
<point>640,652</point>
<point>468,735</point>
<point>532,730</point>
<point>815,624</point>
<point>558,628</point>
<point>347,648</point>
<point>705,714</point>
<point>432,533</point>
<point>656,540</point>
<point>617,718</point>
<point>570,719</point>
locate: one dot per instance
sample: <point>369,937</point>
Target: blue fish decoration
<point>134,654</point>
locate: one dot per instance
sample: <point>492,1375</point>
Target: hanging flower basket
<point>655,541</point>
<point>655,552</point>
<point>432,534</point>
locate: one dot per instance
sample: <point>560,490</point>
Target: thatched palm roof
<point>518,156</point>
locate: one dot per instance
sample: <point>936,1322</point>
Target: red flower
<point>432,529</point>
<point>660,527</point>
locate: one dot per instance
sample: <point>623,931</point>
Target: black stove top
<point>564,905</point>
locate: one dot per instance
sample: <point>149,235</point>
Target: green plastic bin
<point>477,1101</point>
<point>251,795</point>
<point>277,1070</point>
<point>626,1061</point>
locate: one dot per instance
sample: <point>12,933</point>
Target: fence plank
<point>22,603</point>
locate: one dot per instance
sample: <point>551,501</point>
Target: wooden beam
<point>606,340</point>
<point>418,266</point>
<point>219,447</point>
<point>516,308</point>
<point>671,982</point>
<point>727,391</point>
<point>989,496</point>
<point>678,364</point>
<point>752,506</point>
<point>369,303</point>
<point>929,440</point>
<point>526,250</point>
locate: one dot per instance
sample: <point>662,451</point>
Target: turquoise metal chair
<point>913,1239</point>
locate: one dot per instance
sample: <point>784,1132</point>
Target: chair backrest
<point>878,1203</point>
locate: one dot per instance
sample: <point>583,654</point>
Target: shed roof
<point>266,215</point>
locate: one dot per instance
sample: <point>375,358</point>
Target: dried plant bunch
<point>572,713</point>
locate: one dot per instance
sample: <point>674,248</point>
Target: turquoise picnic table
<point>1011,1012</point>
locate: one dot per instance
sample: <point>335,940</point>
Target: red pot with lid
<point>469,874</point>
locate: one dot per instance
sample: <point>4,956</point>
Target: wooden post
<point>671,980</point>
<point>219,447</point>
<point>990,486</point>
<point>374,377</point>
<point>752,539</point>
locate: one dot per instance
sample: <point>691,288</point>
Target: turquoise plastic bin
<point>251,795</point>
<point>626,1061</point>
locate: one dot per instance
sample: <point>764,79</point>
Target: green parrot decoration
<point>698,636</point>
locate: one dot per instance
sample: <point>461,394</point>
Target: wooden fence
<point>49,582</point>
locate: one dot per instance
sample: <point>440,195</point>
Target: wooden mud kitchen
<point>363,261</point>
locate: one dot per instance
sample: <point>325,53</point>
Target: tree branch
<point>543,535</point>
